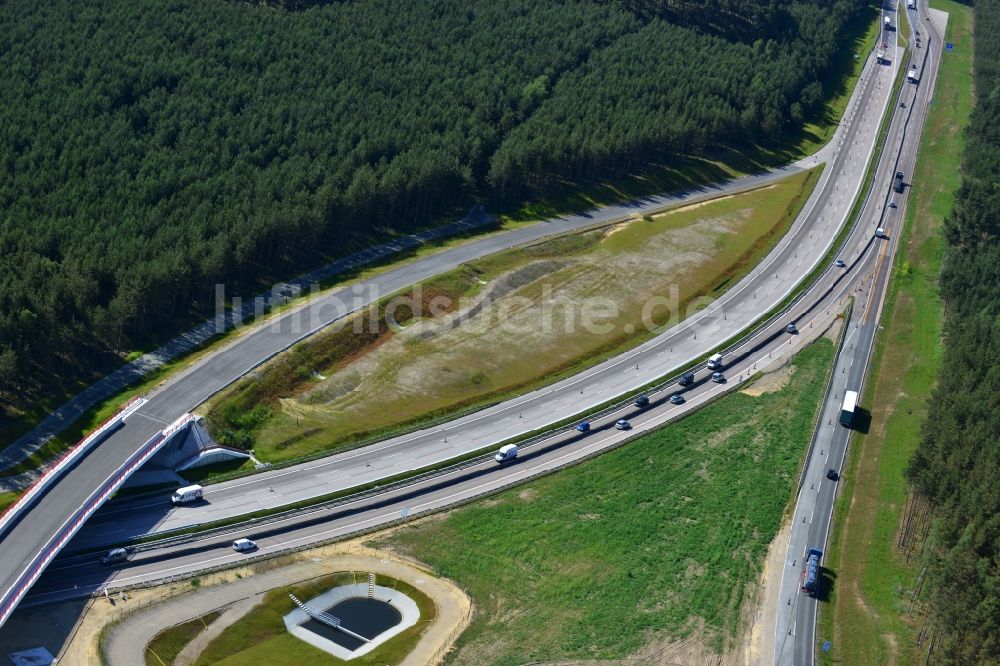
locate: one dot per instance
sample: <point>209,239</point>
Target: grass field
<point>167,644</point>
<point>259,637</point>
<point>868,623</point>
<point>522,324</point>
<point>645,544</point>
<point>6,499</point>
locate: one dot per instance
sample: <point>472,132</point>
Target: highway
<point>795,641</point>
<point>73,575</point>
<point>76,574</point>
<point>738,309</point>
<point>767,285</point>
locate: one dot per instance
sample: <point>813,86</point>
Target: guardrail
<point>32,493</point>
<point>31,573</point>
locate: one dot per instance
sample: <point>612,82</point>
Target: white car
<point>840,263</point>
<point>244,545</point>
<point>622,424</point>
<point>718,377</point>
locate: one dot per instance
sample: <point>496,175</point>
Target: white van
<point>244,545</point>
<point>508,452</point>
<point>715,362</point>
<point>187,494</point>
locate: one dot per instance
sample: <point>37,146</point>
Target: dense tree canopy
<point>957,465</point>
<point>152,148</point>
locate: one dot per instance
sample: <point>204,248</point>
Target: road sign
<point>826,646</point>
<point>949,47</point>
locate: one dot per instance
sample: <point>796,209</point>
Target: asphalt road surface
<point>792,259</point>
<point>795,630</point>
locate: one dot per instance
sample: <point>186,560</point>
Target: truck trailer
<point>810,571</point>
<point>888,23</point>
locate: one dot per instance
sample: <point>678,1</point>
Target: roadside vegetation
<point>6,499</point>
<point>192,166</point>
<point>875,548</point>
<point>660,540</point>
<point>504,324</point>
<point>259,637</point>
<point>956,467</point>
<point>166,645</point>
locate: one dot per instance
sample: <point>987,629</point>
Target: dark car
<point>687,379</point>
<point>642,401</point>
<point>583,426</point>
<point>832,474</point>
<point>676,398</point>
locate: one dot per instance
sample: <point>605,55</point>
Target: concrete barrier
<point>35,490</point>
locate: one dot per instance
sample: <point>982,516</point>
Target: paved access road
<point>792,259</point>
<point>795,630</point>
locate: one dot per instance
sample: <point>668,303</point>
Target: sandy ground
<point>79,625</point>
<point>760,635</point>
<point>771,382</point>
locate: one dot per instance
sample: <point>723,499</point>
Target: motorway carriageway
<point>795,640</point>
<point>793,258</point>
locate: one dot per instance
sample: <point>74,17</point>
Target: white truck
<point>506,453</point>
<point>186,495</point>
<point>911,76</point>
<point>715,361</point>
<point>847,410</point>
<point>911,4</point>
<point>888,23</point>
